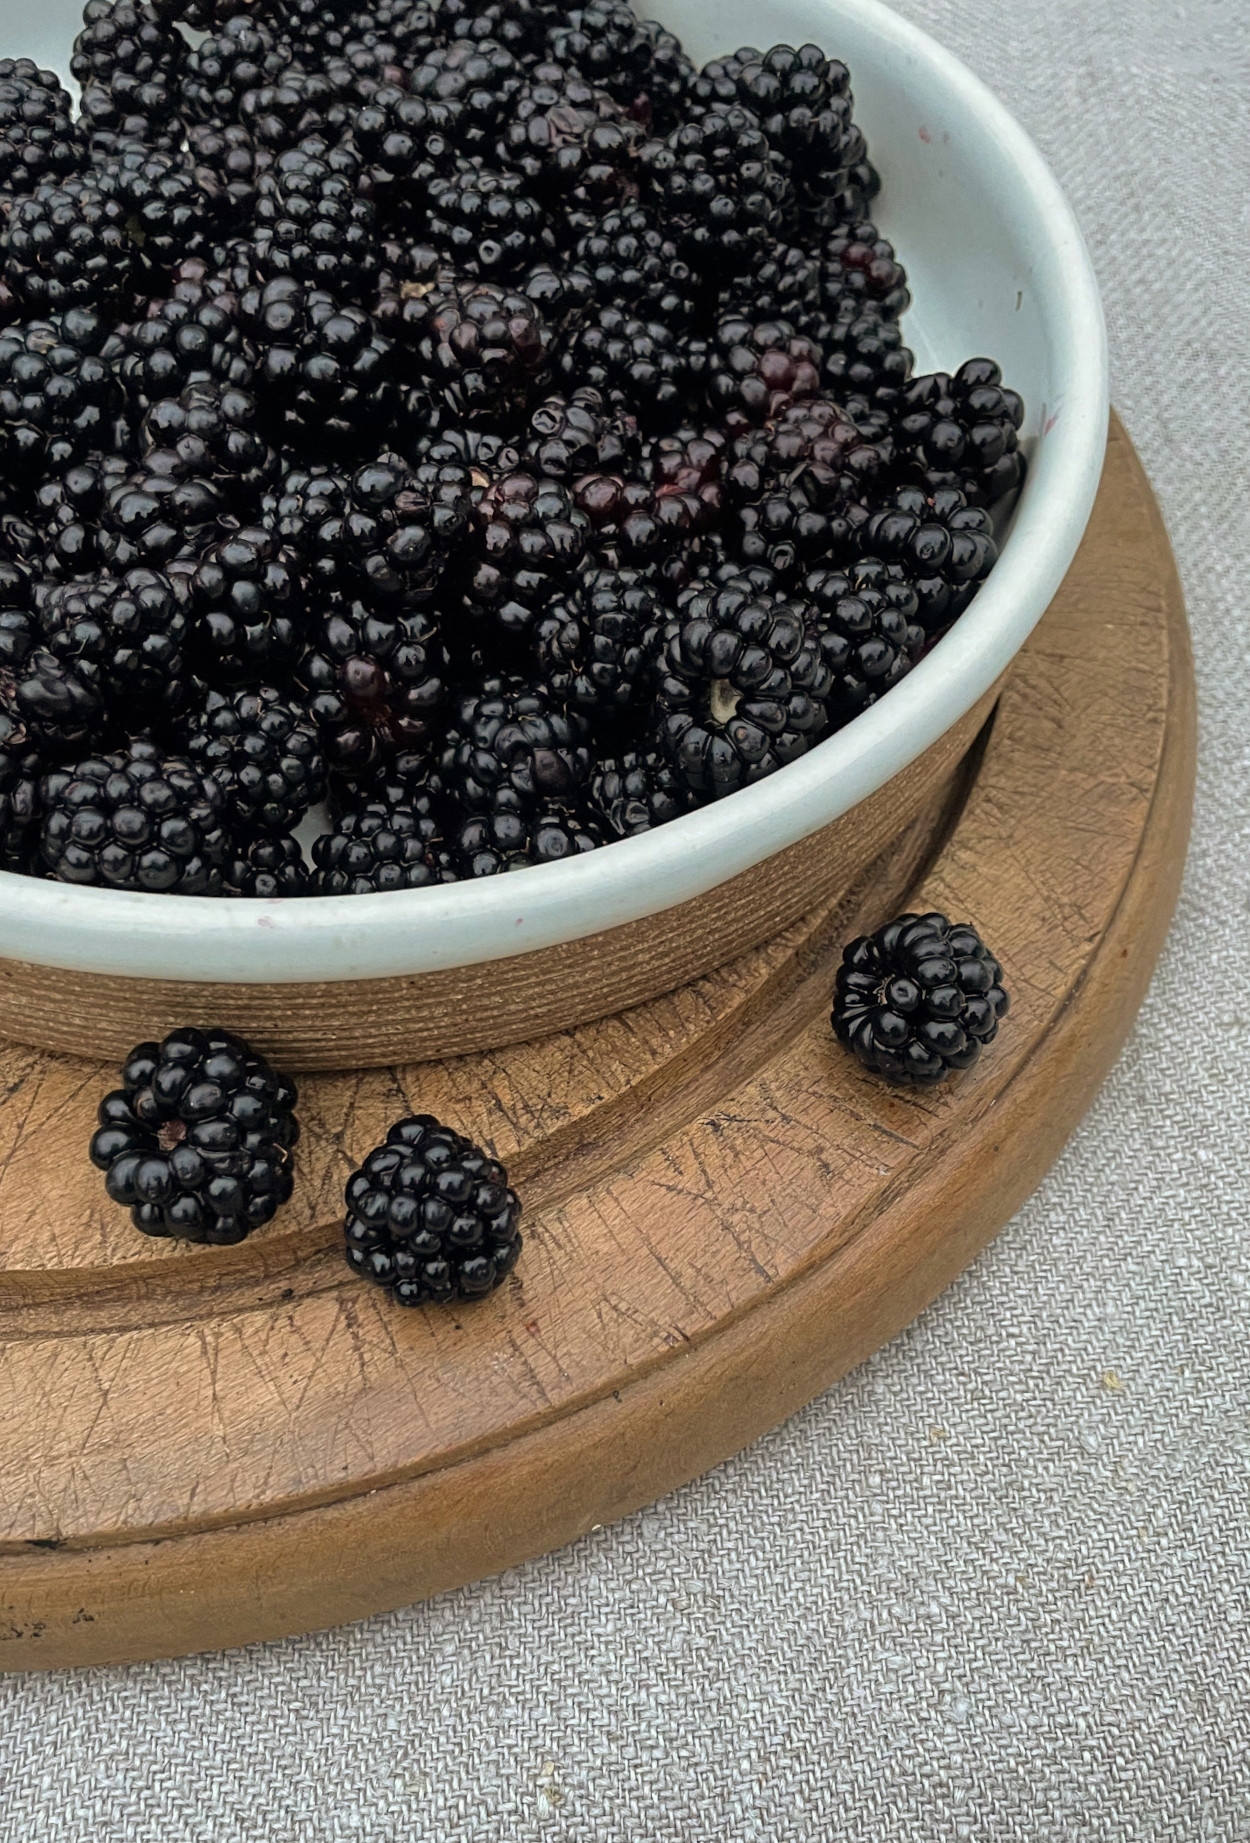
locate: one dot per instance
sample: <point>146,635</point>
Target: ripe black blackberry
<point>756,367</point>
<point>182,342</point>
<point>636,265</point>
<point>228,163</point>
<point>721,188</point>
<point>166,212</point>
<point>264,867</point>
<point>59,393</point>
<point>945,546</point>
<point>742,688</point>
<point>38,138</point>
<point>197,1141</point>
<point>66,244</point>
<point>863,351</point>
<point>527,537</point>
<point>241,56</point>
<point>134,820</point>
<point>324,374</point>
<point>635,60</point>
<point>784,283</point>
<point>521,26</point>
<point>430,1217</point>
<point>21,773</point>
<point>858,262</point>
<point>484,348</point>
<point>597,644</point>
<point>247,605</point>
<point>918,999</point>
<point>128,60</point>
<point>404,141</point>
<point>866,622</point>
<point>382,534</point>
<point>802,100</point>
<point>637,791</point>
<point>311,222</point>
<point>263,753</point>
<point>511,836</point>
<point>123,637</point>
<point>376,684</point>
<point>279,115</point>
<point>961,431</point>
<point>158,514</point>
<point>377,848</point>
<point>486,223</point>
<point>213,432</point>
<point>476,84</point>
<point>638,365</point>
<point>578,434</point>
<point>507,736</point>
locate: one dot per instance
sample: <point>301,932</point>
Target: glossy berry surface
<point>919,999</point>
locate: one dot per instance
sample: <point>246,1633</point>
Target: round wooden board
<point>723,1213</point>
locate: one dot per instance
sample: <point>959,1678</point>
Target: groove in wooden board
<point>686,1403</point>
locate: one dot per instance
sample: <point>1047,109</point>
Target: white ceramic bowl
<point>997,266</point>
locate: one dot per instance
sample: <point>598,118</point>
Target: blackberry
<point>849,203</point>
<point>134,820</point>
<point>483,347</point>
<point>476,83</point>
<point>160,513</point>
<point>430,1216</point>
<point>167,214</point>
<point>961,431</point>
<point>241,56</point>
<point>866,620</point>
<point>510,837</point>
<point>263,753</point>
<point>376,683</point>
<point>756,368</point>
<point>742,688</point>
<point>863,352</point>
<point>21,770</point>
<point>688,470</point>
<point>527,537</point>
<point>626,529</point>
<point>567,138</point>
<point>783,284</point>
<point>486,222</point>
<point>635,60</point>
<point>378,848</point>
<point>59,393</point>
<point>68,507</point>
<point>563,296</point>
<point>66,245</point>
<point>382,534</point>
<point>38,139</point>
<point>918,998</point>
<point>721,187</point>
<point>521,26</point>
<point>123,637</point>
<point>860,263</point>
<point>278,116</point>
<point>637,791</point>
<point>228,164</point>
<point>450,462</point>
<point>634,265</point>
<point>324,373</point>
<point>945,546</point>
<point>814,458</point>
<point>511,737</point>
<point>129,59</point>
<point>405,141</point>
<point>183,341</point>
<point>802,100</point>
<point>197,1141</point>
<point>310,221</point>
<point>639,365</point>
<point>596,645</point>
<point>578,434</point>
<point>247,607</point>
<point>264,867</point>
<point>212,431</point>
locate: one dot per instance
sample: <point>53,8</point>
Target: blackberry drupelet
<point>66,245</point>
<point>38,138</point>
<point>484,348</point>
<point>866,622</point>
<point>742,688</point>
<point>486,223</point>
<point>597,644</point>
<point>128,60</point>
<point>945,546</point>
<point>311,222</point>
<point>961,431</point>
<point>512,837</point>
<point>263,753</point>
<point>376,684</point>
<point>134,820</point>
<point>757,367</point>
<point>430,1217</point>
<point>264,867</point>
<point>527,537</point>
<point>638,365</point>
<point>378,848</point>
<point>247,609</point>
<point>918,998</point>
<point>578,434</point>
<point>59,393</point>
<point>637,791</point>
<point>197,1141</point>
<point>635,265</point>
<point>511,737</point>
<point>324,374</point>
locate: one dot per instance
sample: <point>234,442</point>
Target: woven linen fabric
<point>994,1586</point>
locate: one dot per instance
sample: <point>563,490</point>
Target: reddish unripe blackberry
<point>430,1217</point>
<point>135,820</point>
<point>196,1142</point>
<point>918,999</point>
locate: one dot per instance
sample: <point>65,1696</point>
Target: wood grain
<point>723,1213</point>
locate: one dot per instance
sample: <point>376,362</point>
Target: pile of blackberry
<point>466,423</point>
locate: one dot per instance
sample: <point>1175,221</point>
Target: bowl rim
<point>402,933</point>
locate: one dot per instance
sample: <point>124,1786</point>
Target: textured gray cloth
<point>994,1586</point>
